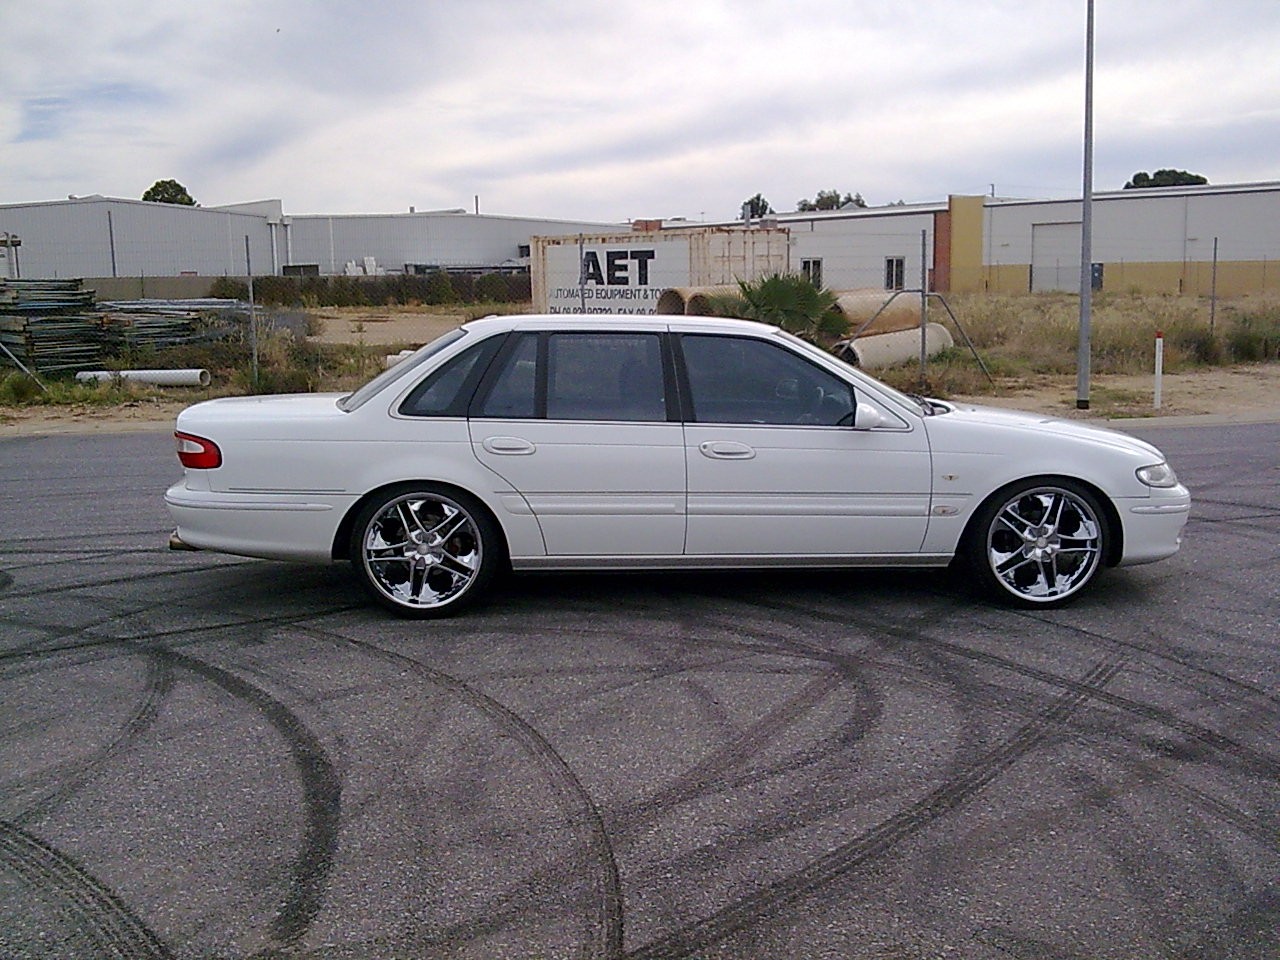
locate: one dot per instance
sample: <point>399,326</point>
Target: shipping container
<point>628,272</point>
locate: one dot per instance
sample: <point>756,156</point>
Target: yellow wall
<point>1195,279</point>
<point>1235,278</point>
<point>967,275</point>
<point>1007,278</point>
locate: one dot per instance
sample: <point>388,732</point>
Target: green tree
<point>786,300</point>
<point>830,200</point>
<point>169,191</point>
<point>757,207</point>
<point>1164,178</point>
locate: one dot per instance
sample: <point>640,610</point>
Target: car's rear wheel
<point>425,551</point>
<point>1039,544</point>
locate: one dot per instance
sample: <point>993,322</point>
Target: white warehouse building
<point>104,237</point>
<point>1169,240</point>
<point>1176,240</point>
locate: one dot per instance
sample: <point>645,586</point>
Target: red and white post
<point>1159,367</point>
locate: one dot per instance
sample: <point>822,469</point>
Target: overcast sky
<point>610,111</point>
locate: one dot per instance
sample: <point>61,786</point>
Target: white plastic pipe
<point>160,378</point>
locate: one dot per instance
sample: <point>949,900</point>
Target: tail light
<point>197,453</point>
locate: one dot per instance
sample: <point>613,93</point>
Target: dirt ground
<point>1243,393</point>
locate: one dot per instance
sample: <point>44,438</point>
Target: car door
<point>577,421</point>
<point>776,468</point>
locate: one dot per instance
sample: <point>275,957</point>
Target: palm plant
<point>786,300</point>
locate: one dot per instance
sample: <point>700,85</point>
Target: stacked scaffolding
<point>132,325</point>
<point>50,325</point>
<point>54,326</point>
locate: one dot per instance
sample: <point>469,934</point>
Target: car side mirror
<point>869,417</point>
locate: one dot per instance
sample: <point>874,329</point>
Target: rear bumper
<point>275,527</point>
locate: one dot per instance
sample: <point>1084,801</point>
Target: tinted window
<point>515,390</point>
<point>742,380</point>
<point>605,376</point>
<point>401,369</point>
<point>445,392</point>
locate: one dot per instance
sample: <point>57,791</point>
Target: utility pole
<point>253,319</point>
<point>1086,225</point>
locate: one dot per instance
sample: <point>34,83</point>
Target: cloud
<point>603,112</point>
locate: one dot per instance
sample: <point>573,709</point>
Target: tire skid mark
<point>191,634</point>
<point>1257,763</point>
<point>1264,764</point>
<point>129,578</point>
<point>1162,652</point>
<point>1261,763</point>
<point>160,532</point>
<point>1201,500</point>
<point>882,838</point>
<point>73,777</point>
<point>94,909</point>
<point>73,555</point>
<point>605,930</point>
<point>122,612</point>
<point>321,790</point>
<point>1149,772</point>
<point>712,773</point>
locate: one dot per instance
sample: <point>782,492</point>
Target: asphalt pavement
<point>206,756</point>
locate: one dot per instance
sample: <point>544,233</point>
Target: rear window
<point>401,369</point>
<point>446,391</point>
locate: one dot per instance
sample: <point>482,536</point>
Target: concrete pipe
<point>671,301</point>
<point>698,303</point>
<point>694,301</point>
<point>158,378</point>
<point>859,306</point>
<point>886,349</point>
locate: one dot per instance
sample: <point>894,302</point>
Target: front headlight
<point>1158,475</point>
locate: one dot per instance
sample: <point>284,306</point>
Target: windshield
<point>908,400</point>
<point>398,370</point>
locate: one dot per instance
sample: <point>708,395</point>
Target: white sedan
<point>573,443</point>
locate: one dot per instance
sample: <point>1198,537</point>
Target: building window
<point>895,271</point>
<point>811,270</point>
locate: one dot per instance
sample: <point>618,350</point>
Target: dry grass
<point>1025,337</point>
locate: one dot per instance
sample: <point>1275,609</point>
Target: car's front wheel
<point>425,551</point>
<point>1038,544</point>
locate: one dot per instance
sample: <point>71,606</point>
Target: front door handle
<point>508,446</point>
<point>726,450</point>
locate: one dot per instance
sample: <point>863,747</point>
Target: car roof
<point>614,321</point>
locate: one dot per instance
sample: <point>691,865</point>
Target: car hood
<point>1042,424</point>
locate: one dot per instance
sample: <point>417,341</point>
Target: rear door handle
<point>508,446</point>
<point>726,450</point>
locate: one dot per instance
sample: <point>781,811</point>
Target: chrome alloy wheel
<point>1045,544</point>
<point>421,551</point>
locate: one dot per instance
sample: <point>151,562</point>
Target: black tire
<point>423,550</point>
<point>1038,543</point>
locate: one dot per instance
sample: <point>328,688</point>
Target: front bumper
<point>1153,525</point>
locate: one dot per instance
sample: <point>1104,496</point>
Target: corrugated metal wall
<point>429,239</point>
<point>100,237</point>
<point>105,237</point>
<point>1149,240</point>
